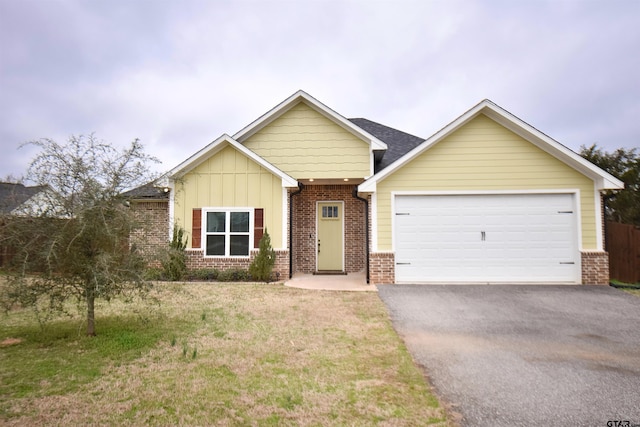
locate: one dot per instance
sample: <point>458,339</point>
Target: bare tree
<point>78,244</point>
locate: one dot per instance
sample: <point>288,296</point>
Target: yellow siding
<point>230,179</point>
<point>483,155</point>
<point>305,144</point>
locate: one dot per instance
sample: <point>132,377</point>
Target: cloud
<point>177,74</point>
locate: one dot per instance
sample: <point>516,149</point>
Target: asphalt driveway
<point>525,355</point>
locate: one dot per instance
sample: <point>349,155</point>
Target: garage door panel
<point>486,238</point>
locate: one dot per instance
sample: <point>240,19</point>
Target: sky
<point>177,74</point>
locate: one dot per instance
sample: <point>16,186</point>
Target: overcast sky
<point>179,73</point>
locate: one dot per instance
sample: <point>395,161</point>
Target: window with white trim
<point>227,232</point>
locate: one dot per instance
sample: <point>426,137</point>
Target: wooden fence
<point>623,245</point>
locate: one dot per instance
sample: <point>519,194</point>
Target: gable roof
<point>302,96</point>
<point>399,143</point>
<point>217,145</point>
<point>602,179</point>
<point>13,195</point>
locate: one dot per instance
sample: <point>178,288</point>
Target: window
<point>330,212</point>
<point>227,232</point>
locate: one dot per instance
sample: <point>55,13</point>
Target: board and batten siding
<point>484,156</point>
<point>305,144</point>
<point>230,179</point>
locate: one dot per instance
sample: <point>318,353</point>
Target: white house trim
<point>602,179</point>
<point>302,96</point>
<point>217,145</point>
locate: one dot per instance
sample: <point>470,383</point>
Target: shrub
<point>204,274</point>
<point>174,264</point>
<point>153,273</point>
<point>234,275</point>
<point>262,265</point>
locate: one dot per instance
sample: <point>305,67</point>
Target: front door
<point>330,245</point>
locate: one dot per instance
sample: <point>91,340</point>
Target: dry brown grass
<point>248,355</point>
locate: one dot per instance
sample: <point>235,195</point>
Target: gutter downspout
<point>605,199</point>
<point>366,226</point>
<point>298,191</point>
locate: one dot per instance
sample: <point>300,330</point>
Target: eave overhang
<point>602,179</point>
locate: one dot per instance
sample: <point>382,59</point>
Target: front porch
<point>354,282</point>
<point>347,245</point>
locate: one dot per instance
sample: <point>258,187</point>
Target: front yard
<point>216,354</point>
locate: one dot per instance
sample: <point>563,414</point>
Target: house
<point>486,199</point>
<point>18,199</point>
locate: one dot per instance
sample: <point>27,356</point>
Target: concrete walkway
<point>352,282</point>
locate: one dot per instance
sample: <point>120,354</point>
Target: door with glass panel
<point>330,245</point>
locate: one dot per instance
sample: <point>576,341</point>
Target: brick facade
<point>382,268</point>
<point>595,268</point>
<point>153,231</point>
<point>304,224</point>
<point>196,261</point>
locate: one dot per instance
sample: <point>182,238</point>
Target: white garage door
<point>497,238</point>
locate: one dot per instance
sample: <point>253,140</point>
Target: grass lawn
<point>215,354</point>
<point>631,288</point>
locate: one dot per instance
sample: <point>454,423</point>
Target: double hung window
<point>227,232</point>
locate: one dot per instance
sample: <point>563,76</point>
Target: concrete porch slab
<point>352,282</point>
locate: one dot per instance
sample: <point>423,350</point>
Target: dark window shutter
<point>196,228</point>
<point>258,226</point>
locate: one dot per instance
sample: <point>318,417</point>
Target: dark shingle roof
<point>398,143</point>
<point>147,191</point>
<point>13,195</point>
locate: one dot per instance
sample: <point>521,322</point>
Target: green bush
<point>262,265</point>
<point>153,273</point>
<point>234,275</point>
<point>204,274</point>
<point>174,263</point>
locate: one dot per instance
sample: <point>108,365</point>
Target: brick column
<point>595,268</point>
<point>381,268</point>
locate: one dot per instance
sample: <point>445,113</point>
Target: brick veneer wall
<point>382,268</point>
<point>197,261</point>
<point>304,223</point>
<point>595,268</point>
<point>153,233</point>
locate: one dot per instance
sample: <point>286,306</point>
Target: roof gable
<point>217,145</point>
<point>293,100</point>
<point>13,196</point>
<point>491,110</point>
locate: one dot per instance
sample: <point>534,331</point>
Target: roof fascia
<point>602,179</point>
<point>198,158</point>
<point>301,96</point>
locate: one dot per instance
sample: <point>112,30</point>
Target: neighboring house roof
<point>398,143</point>
<point>14,196</point>
<point>205,153</point>
<point>602,179</point>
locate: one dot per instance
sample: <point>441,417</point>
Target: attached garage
<point>486,238</point>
